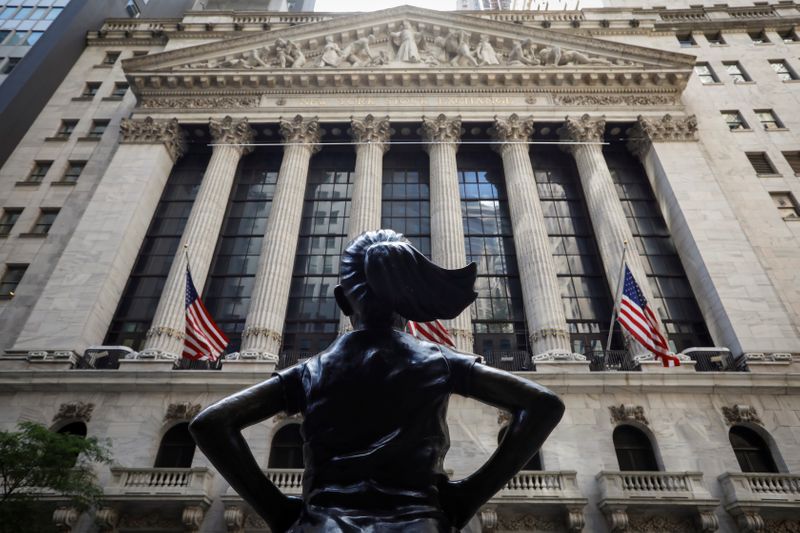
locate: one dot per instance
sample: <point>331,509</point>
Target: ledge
<point>33,235</point>
<point>90,139</point>
<point>112,99</point>
<point>62,183</point>
<point>83,98</point>
<point>56,139</point>
<point>31,184</point>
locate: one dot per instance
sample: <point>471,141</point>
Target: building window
<point>705,74</point>
<point>23,13</point>
<point>176,449</point>
<point>789,35</point>
<point>534,463</point>
<point>406,196</point>
<point>17,38</point>
<point>761,163</point>
<point>44,222</point>
<point>75,429</point>
<point>312,316</point>
<point>686,40</point>
<point>736,72</point>
<point>6,13</point>
<point>786,205</point>
<point>38,13</point>
<point>140,53</point>
<point>751,451</point>
<point>65,129</point>
<point>498,316</point>
<point>97,129</point>
<point>584,290</point>
<point>783,70</point>
<point>111,58</point>
<point>120,88</point>
<point>40,168</point>
<point>674,300</point>
<point>10,65</point>
<point>73,171</point>
<point>758,37</point>
<point>769,120</point>
<point>90,89</point>
<point>140,298</point>
<point>11,278</point>
<point>734,120</point>
<point>233,270</point>
<point>286,450</point>
<point>634,450</point>
<point>715,39</point>
<point>53,13</point>
<point>793,158</point>
<point>4,34</point>
<point>8,219</point>
<point>33,37</point>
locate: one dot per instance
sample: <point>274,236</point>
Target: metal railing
<point>611,361</point>
<point>714,359</point>
<point>511,361</point>
<point>287,359</point>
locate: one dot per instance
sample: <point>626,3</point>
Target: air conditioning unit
<point>133,9</point>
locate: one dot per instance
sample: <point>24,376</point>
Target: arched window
<point>535,462</point>
<point>751,451</point>
<point>74,428</point>
<point>634,450</point>
<point>287,448</point>
<point>176,449</point>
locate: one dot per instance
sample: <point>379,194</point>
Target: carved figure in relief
<point>359,54</point>
<point>457,45</point>
<point>550,56</point>
<point>296,55</point>
<point>331,54</point>
<point>521,54</point>
<point>281,53</point>
<point>572,57</point>
<point>374,407</point>
<point>485,52</point>
<point>406,41</point>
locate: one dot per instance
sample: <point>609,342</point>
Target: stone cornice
<point>648,130</point>
<point>441,129</point>
<point>150,131</point>
<point>371,130</point>
<point>302,132</point>
<point>511,130</point>
<point>582,130</point>
<point>234,132</point>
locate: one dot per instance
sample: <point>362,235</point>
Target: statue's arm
<point>217,431</point>
<point>535,412</point>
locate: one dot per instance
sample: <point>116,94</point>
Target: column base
<point>253,355</point>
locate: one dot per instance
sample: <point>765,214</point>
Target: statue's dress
<point>374,430</point>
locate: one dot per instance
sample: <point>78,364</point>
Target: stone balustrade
<point>757,488</point>
<point>652,485</point>
<point>160,482</point>
<point>545,485</point>
<point>289,480</point>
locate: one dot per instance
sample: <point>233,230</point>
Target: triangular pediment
<point>406,43</point>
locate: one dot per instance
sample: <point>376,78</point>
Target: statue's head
<point>382,274</point>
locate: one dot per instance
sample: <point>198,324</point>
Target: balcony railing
<point>653,486</point>
<point>760,489</point>
<point>160,482</point>
<point>532,485</point>
<point>289,480</point>
<point>511,361</point>
<point>714,359</point>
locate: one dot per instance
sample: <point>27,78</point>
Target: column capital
<point>648,130</point>
<point>151,131</point>
<point>371,130</point>
<point>301,131</point>
<point>582,130</point>
<point>511,130</point>
<point>441,130</point>
<point>232,132</point>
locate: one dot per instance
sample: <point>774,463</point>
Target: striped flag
<point>431,331</point>
<point>204,339</point>
<point>640,322</point>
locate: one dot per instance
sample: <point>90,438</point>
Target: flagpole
<point>617,294</point>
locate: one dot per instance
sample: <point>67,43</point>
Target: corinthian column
<point>372,136</point>
<point>165,337</point>
<point>544,309</point>
<point>447,227</point>
<point>262,333</point>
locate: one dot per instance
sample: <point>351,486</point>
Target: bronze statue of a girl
<point>374,405</point>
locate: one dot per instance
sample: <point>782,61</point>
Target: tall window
<point>10,280</point>
<point>758,37</point>
<point>39,170</point>
<point>312,316</point>
<point>634,450</point>
<point>140,297</point>
<point>230,282</point>
<point>73,171</point>
<point>751,451</point>
<point>498,317</point>
<point>783,70</point>
<point>176,449</point>
<point>584,289</point>
<point>705,74</point>
<point>769,120</point>
<point>736,71</point>
<point>287,448</point>
<point>406,206</point>
<point>734,120</point>
<point>8,219</point>
<point>45,221</point>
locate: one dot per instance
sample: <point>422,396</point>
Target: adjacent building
<point>550,147</point>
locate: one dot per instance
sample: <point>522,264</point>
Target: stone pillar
<point>262,333</point>
<point>447,227</point>
<point>79,300</point>
<point>742,309</point>
<point>165,337</point>
<point>544,310</point>
<point>372,136</point>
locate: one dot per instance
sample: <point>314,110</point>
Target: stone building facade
<point>534,143</point>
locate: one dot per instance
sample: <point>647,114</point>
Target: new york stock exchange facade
<point>536,144</point>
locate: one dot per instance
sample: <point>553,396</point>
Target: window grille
<point>793,158</point>
<point>761,163</point>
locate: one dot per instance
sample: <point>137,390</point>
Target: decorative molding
<point>150,131</point>
<point>234,519</point>
<point>255,331</point>
<point>528,522</point>
<point>65,518</point>
<point>650,130</point>
<point>252,355</point>
<point>707,521</point>
<point>738,414</point>
<point>302,132</point>
<point>575,519</point>
<point>488,518</point>
<point>74,411</point>
<point>557,355</point>
<point>371,130</point>
<point>782,526</point>
<point>150,520</point>
<point>192,518</point>
<point>253,521</point>
<point>164,330</point>
<point>623,100</point>
<point>107,519</point>
<point>503,417</point>
<point>751,522</point>
<point>581,130</point>
<point>511,130</point>
<point>617,520</point>
<point>548,332</point>
<point>181,411</point>
<point>441,130</point>
<point>655,523</point>
<point>232,132</point>
<point>200,102</point>
<point>628,413</point>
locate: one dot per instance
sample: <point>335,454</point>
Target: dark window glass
<point>76,429</point>
<point>751,451</point>
<point>66,128</point>
<point>715,39</point>
<point>686,40</point>
<point>789,35</point>
<point>90,89</point>
<point>233,270</point>
<point>98,128</point>
<point>793,158</point>
<point>40,169</point>
<point>11,278</point>
<point>176,449</point>
<point>287,448</point>
<point>8,220</point>
<point>498,317</point>
<point>45,221</point>
<point>758,37</point>
<point>73,171</point>
<point>312,316</point>
<point>584,290</point>
<point>111,58</point>
<point>675,302</point>
<point>405,205</point>
<point>4,34</point>
<point>32,37</point>
<point>634,450</point>
<point>120,88</point>
<point>761,163</point>
<point>10,64</point>
<point>143,290</point>
<point>533,464</point>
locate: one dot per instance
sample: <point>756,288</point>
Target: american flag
<point>204,339</point>
<point>431,331</point>
<point>638,319</point>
